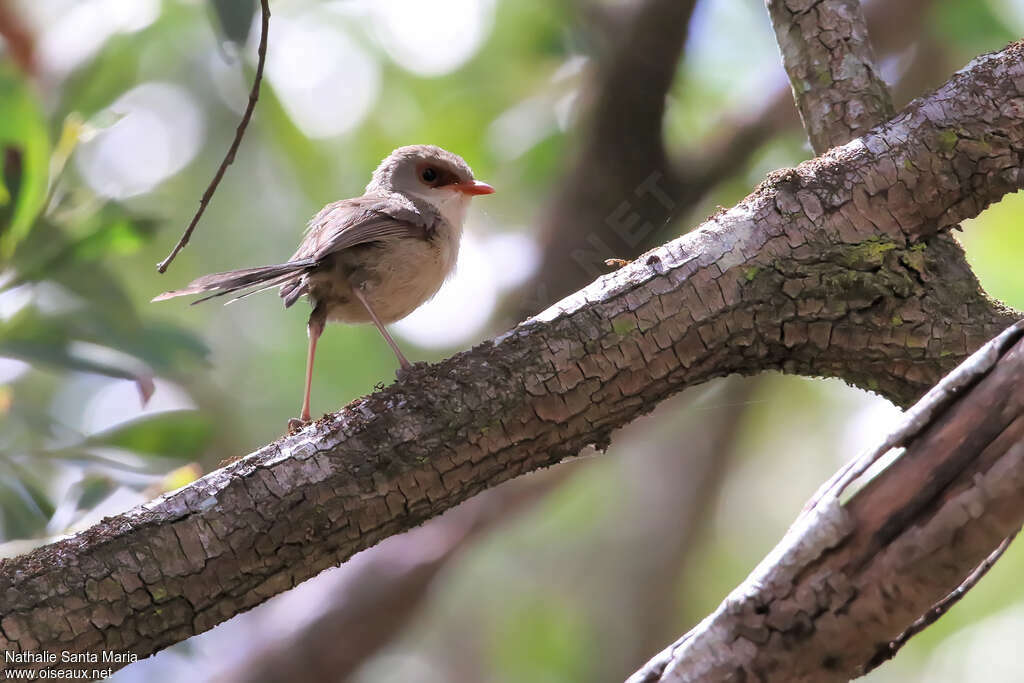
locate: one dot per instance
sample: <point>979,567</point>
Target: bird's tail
<point>241,282</point>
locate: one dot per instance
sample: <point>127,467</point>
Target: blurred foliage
<point>968,25</point>
<point>80,344</point>
<point>25,149</point>
<point>994,243</point>
<point>65,313</point>
<point>556,637</point>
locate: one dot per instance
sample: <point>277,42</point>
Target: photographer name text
<point>104,657</point>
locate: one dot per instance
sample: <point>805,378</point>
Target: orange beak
<point>473,187</point>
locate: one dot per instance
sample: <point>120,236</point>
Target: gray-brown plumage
<point>373,258</point>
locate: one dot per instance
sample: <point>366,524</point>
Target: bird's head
<point>432,174</point>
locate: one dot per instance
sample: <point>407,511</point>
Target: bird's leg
<point>315,328</point>
<point>380,326</point>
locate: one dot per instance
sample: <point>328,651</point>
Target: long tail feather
<point>262,287</point>
<point>236,280</point>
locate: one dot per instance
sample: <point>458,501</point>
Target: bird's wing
<point>370,218</point>
<point>344,224</point>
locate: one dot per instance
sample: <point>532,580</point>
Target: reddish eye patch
<point>435,176</point>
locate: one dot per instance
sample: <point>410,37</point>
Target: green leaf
<point>5,194</point>
<point>74,131</point>
<point>71,133</point>
<point>178,434</point>
<point>57,356</point>
<point>22,134</point>
<point>93,489</point>
<point>138,348</point>
<point>48,341</point>
<point>24,506</point>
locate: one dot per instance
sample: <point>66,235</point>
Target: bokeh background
<point>114,114</point>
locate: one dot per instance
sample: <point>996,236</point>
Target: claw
<point>404,372</point>
<point>295,425</point>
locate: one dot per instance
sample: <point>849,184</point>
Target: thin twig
<point>889,651</point>
<point>254,95</point>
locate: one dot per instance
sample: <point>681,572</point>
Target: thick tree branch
<point>833,35</point>
<point>887,651</point>
<point>388,573</point>
<point>746,130</point>
<point>367,601</point>
<point>827,54</point>
<point>848,576</point>
<point>895,25</point>
<point>356,598</point>
<point>834,109</point>
<point>820,271</point>
<point>603,190</point>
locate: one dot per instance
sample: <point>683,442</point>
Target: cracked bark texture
<point>821,271</point>
<point>827,54</point>
<point>362,606</point>
<point>854,49</point>
<point>624,192</point>
<point>370,601</point>
<point>808,40</point>
<point>848,578</point>
<point>388,574</point>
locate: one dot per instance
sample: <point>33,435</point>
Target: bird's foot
<point>296,424</point>
<point>403,373</point>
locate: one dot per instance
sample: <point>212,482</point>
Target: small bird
<point>374,258</point>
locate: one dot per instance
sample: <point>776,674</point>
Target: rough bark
<point>605,207</point>
<point>366,602</point>
<point>820,271</point>
<point>837,88</point>
<point>831,66</point>
<point>388,574</point>
<point>864,100</point>
<point>400,571</point>
<point>828,40</point>
<point>848,578</point>
<point>838,93</point>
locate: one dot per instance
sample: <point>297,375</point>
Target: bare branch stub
<point>229,158</point>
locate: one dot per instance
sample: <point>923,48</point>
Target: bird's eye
<point>429,174</point>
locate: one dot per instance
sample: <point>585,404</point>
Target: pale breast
<point>397,276</point>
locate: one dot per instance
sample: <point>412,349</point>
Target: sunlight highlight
<point>326,82</point>
<point>433,38</point>
<point>159,134</point>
